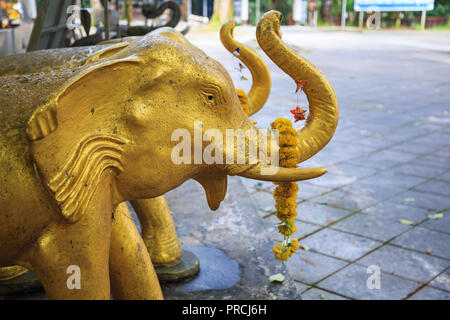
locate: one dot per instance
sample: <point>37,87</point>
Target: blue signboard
<point>393,5</point>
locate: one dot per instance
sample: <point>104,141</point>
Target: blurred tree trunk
<point>221,10</point>
<point>326,10</point>
<point>129,11</point>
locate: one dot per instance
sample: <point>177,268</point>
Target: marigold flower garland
<point>285,193</point>
<point>243,99</point>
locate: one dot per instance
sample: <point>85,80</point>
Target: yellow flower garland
<point>285,194</point>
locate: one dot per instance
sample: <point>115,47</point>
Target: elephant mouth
<point>215,180</point>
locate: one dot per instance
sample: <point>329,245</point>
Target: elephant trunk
<point>252,155</point>
<point>260,90</point>
<point>323,106</point>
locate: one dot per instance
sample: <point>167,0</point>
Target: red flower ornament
<point>299,114</point>
<point>300,86</point>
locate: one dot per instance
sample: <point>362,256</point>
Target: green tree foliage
<point>441,8</point>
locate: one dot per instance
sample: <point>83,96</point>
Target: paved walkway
<point>389,164</point>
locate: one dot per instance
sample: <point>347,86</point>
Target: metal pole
<point>106,15</point>
<point>244,11</point>
<point>297,11</point>
<point>118,21</point>
<point>128,11</point>
<point>344,13</point>
<point>205,8</point>
<point>258,11</point>
<point>189,8</point>
<point>423,19</point>
<point>361,19</point>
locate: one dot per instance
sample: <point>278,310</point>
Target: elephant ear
<point>107,52</point>
<point>43,120</point>
<point>72,168</point>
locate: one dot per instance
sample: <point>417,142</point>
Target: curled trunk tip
<point>261,80</point>
<point>323,106</point>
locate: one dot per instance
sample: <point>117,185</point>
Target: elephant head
<point>117,114</point>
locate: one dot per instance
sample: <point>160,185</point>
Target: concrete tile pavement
<point>388,162</point>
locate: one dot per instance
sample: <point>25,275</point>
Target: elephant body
<point>20,182</point>
<point>38,231</point>
<point>32,231</point>
<point>158,229</point>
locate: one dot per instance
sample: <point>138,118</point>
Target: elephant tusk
<point>283,174</point>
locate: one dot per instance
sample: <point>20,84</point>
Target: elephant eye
<point>212,95</point>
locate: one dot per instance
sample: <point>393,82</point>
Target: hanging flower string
<point>300,86</point>
<point>299,113</point>
<point>285,194</point>
<point>240,92</point>
<point>241,66</point>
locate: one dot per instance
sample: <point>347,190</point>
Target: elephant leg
<point>158,231</point>
<point>72,262</point>
<point>132,273</point>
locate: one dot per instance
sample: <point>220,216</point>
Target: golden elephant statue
<point>75,149</point>
<point>158,230</point>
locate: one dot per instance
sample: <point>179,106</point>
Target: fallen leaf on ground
<point>436,216</point>
<point>407,222</point>
<point>276,278</point>
<point>409,200</point>
<point>309,261</point>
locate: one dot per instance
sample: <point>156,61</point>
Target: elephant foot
<point>17,280</point>
<point>164,249</point>
<point>158,231</point>
<point>187,267</point>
